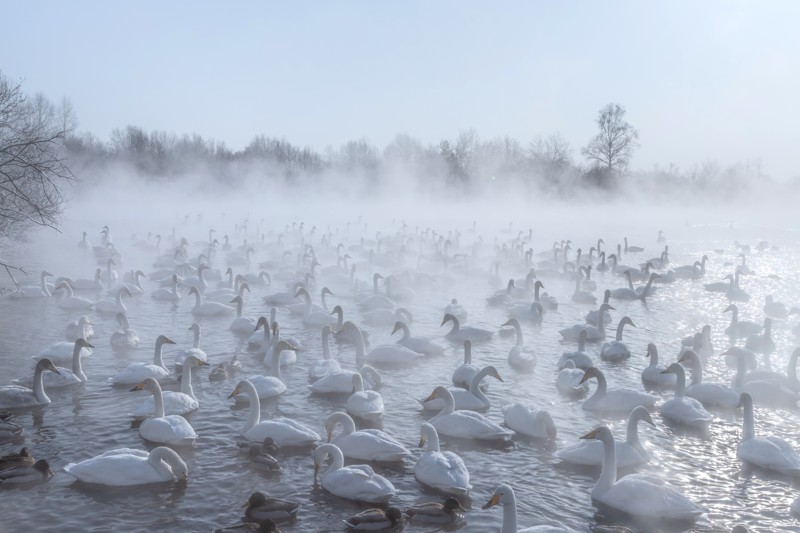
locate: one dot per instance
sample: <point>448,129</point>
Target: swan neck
<point>509,517</point>
<point>749,425</point>
<point>157,460</point>
<point>197,299</point>
<point>433,439</point>
<point>38,385</point>
<point>467,354</point>
<point>158,398</point>
<point>157,359</point>
<point>77,369</point>
<point>326,347</point>
<point>620,327</point>
<point>186,380</point>
<point>608,474</point>
<point>680,390</point>
<point>276,362</point>
<point>475,384</point>
<point>239,305</point>
<point>196,342</point>
<point>255,406</point>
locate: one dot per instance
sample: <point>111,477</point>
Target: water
<point>90,420</point>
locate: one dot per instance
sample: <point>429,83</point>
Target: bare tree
<point>552,155</point>
<point>612,148</point>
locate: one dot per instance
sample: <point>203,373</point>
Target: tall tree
<point>613,146</point>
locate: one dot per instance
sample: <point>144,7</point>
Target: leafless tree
<point>612,148</point>
<point>552,155</point>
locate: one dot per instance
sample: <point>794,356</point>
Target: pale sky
<point>701,80</point>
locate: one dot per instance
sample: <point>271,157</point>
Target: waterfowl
<point>617,350</point>
<point>354,482</point>
<point>775,309</point>
<point>528,313</point>
<point>375,520</point>
<point>168,294</point>
<point>653,374</point>
<point>260,507</point>
<point>536,423</point>
<point>113,305</point>
<point>520,357</point>
<point>740,328</point>
<point>630,452</point>
<point>713,394</point>
<point>591,316</point>
<point>273,385</point>
<point>79,329</point>
<point>70,301</point>
<point>341,382</point>
<point>366,444</point>
<point>464,424</point>
<point>124,338</point>
<point>241,325</point>
<point>26,474</point>
<point>762,343</point>
<point>263,460</point>
<point>364,404</point>
<point>459,334</point>
<point>504,495</point>
<point>456,309</point>
<point>681,408</point>
<point>435,513</point>
<point>175,403</point>
<point>17,396</point>
<point>770,453</point>
<point>34,291</point>
<point>472,399</point>
<point>195,350</point>
<point>614,400</point>
<point>569,379</point>
<point>137,372</point>
<point>64,377</point>
<point>123,467</point>
<point>321,368</point>
<point>8,429</point>
<point>208,308</point>
<point>443,471</point>
<point>16,459</point>
<point>421,345</point>
<point>579,358</point>
<point>593,334</point>
<point>463,374</point>
<point>162,428</point>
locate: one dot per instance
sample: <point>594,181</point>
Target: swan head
<point>262,321</point>
<point>651,350</point>
<point>602,433</point>
<point>731,307</point>
<point>237,299</point>
<point>83,343</point>
<point>607,307</point>
<point>300,292</point>
<point>438,392</point>
<point>149,384</point>
<point>511,322</point>
<point>244,286</point>
<point>326,290</point>
<point>589,373</point>
<point>674,368</point>
<point>626,321</point>
<point>163,339</point>
<point>447,318</point>
<point>193,290</point>
<point>47,364</point>
<point>398,326</point>
<point>641,413</point>
<point>503,495</point>
<point>284,345</point>
<point>236,391</point>
<point>745,400</point>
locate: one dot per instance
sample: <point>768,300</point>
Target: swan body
<point>617,400</point>
<point>681,408</point>
<point>341,382</point>
<point>653,375</point>
<point>70,301</point>
<point>355,482</point>
<point>15,396</point>
<point>579,358</point>
<point>713,394</point>
<point>443,471</point>
<point>124,467</point>
<point>162,428</point>
<point>175,403</point>
<point>241,325</point>
<point>739,329</point>
<point>138,372</point>
<point>464,424</point>
<point>366,444</point>
<point>569,379</point>
<point>124,338</point>
<point>593,333</point>
<point>171,295</point>
<point>421,345</point>
<point>771,453</point>
<point>536,423</point>
<point>364,404</point>
<point>463,374</point>
<point>194,351</point>
<point>64,377</point>
<point>269,386</point>
<point>34,291</point>
<point>472,399</point>
<point>79,329</point>
<point>113,305</point>
<point>520,357</point>
<point>327,365</point>
<point>208,308</point>
<point>394,355</point>
<point>617,350</point>
<point>459,334</point>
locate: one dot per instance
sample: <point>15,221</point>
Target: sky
<point>702,81</point>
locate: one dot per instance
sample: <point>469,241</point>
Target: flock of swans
<point>279,275</point>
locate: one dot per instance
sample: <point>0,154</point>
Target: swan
<point>354,482</point>
<point>720,286</point>
<point>762,343</point>
<point>328,365</point>
<point>529,313</point>
<point>580,296</point>
<point>110,275</point>
<point>536,423</point>
<point>503,297</point>
<point>365,444</point>
<point>740,328</point>
<point>764,386</point>
<point>464,424</point>
<point>568,380</point>
<point>134,287</point>
<point>614,400</point>
<point>364,404</point>
<point>283,298</point>
<point>630,452</point>
<point>376,300</point>
<point>626,293</point>
<point>208,308</point>
<point>520,357</point>
<point>79,329</point>
<point>443,471</point>
<point>269,386</point>
<point>375,520</point>
<point>34,291</point>
<point>25,475</point>
<point>637,494</point>
<point>61,352</point>
<point>113,305</point>
<point>632,249</point>
<point>195,350</point>
<point>579,358</point>
<point>616,350</point>
<point>300,308</point>
<point>436,513</point>
<point>770,453</point>
<point>137,372</point>
<point>199,282</point>
<point>775,309</point>
<point>341,382</point>
<point>681,408</point>
<point>459,334</point>
<point>421,345</point>
<point>260,508</point>
<point>472,399</point>
<point>591,316</point>
<point>355,333</point>
<point>84,243</point>
<point>284,431</point>
<point>70,301</point>
<point>241,325</point>
<point>707,393</point>
<point>504,495</point>
<point>175,403</point>
<point>288,356</point>
<point>124,467</point>
<point>734,292</point>
<point>463,374</point>
<point>64,377</point>
<point>312,317</point>
<point>124,338</point>
<point>593,334</point>
<point>13,396</point>
<point>162,428</point>
<point>258,342</point>
<point>345,336</point>
<point>168,294</point>
<point>456,309</point>
<point>653,375</point>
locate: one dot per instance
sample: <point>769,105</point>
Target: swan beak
<point>649,420</point>
<point>506,324</point>
<point>422,442</point>
<point>201,363</point>
<point>586,377</point>
<point>140,386</point>
<point>497,375</point>
<point>169,341</point>
<point>612,308</point>
<point>396,328</point>
<point>683,359</point>
<point>234,393</point>
<point>53,368</point>
<point>591,435</point>
<point>433,396</point>
<point>494,500</point>
<point>87,345</point>
<point>666,371</point>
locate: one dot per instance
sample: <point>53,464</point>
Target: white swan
<point>653,374</point>
<point>113,305</point>
<point>536,423</point>
<point>615,400</point>
<point>79,329</point>
<point>70,301</point>
<point>459,334</point>
<point>124,467</point>
<point>472,399</point>
<point>175,403</point>
<point>681,408</point>
<point>463,374</point>
<point>464,424</point>
<point>34,291</point>
<point>137,372</point>
<point>354,482</point>
<point>64,377</point>
<point>456,309</point>
<point>591,316</point>
<point>341,382</point>
<point>273,385</point>
<point>61,352</point>
<point>162,428</point>
<point>168,294</point>
<point>617,350</point>
<point>364,444</point>
<point>764,386</point>
<point>421,345</point>
<point>208,308</point>
<point>284,431</point>
<point>775,309</point>
<point>593,334</point>
<point>520,357</point>
<point>637,494</point>
<point>630,452</point>
<point>124,338</point>
<point>364,404</point>
<point>771,453</point>
<point>312,317</point>
<point>569,380</point>
<point>713,394</point>
<point>241,325</point>
<point>321,368</point>
<point>504,495</point>
<point>579,358</point>
<point>13,396</point>
<point>194,350</point>
<point>443,471</point>
<point>740,328</point>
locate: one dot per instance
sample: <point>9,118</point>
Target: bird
<point>354,482</point>
<point>137,372</point>
<point>364,444</point>
<point>504,495</point>
<point>260,507</point>
<point>17,396</point>
<point>124,467</point>
<point>463,424</point>
<point>459,334</point>
<point>653,374</point>
<point>681,408</point>
<point>23,457</point>
<point>375,520</point>
<point>435,512</point>
<point>536,423</point>
<point>39,472</point>
<point>162,428</point>
<point>615,400</point>
<point>770,453</point>
<point>442,471</point>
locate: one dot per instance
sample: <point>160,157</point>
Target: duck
<point>504,495</point>
<point>615,400</point>
<point>770,453</point>
<point>125,467</point>
<point>263,460</point>
<point>161,428</point>
<point>579,358</point>
<point>436,513</point>
<point>535,423</point>
<point>653,375</point>
<point>355,482</point>
<point>593,333</point>
<point>681,408</point>
<point>459,334</point>
<point>442,471</point>
<point>616,350</point>
<point>327,365</point>
<point>713,394</point>
<point>38,472</point>
<point>464,424</point>
<point>241,325</point>
<point>284,431</point>
<point>472,399</point>
<point>137,372</point>
<point>422,345</point>
<point>175,403</point>
<point>208,308</point>
<point>637,494</point>
<point>365,444</point>
<point>520,357</point>
<point>22,458</point>
<point>195,350</point>
<point>630,452</point>
<point>569,380</point>
<point>8,429</point>
<point>261,507</point>
<point>375,520</point>
<point>16,396</point>
<point>273,385</point>
<point>463,374</point>
<point>124,338</point>
<point>364,404</point>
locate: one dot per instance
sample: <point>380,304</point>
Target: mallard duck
<point>375,520</point>
<point>265,526</point>
<point>25,474</point>
<point>16,459</point>
<point>436,513</point>
<point>263,460</point>
<point>260,508</point>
